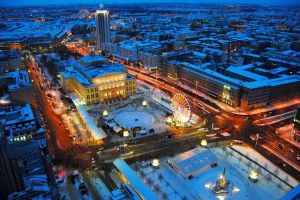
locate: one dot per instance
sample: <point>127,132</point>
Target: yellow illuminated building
<point>98,83</point>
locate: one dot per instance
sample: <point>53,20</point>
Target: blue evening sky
<point>45,2</point>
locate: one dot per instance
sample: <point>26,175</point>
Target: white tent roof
<point>138,185</point>
<point>193,160</point>
<point>96,132</point>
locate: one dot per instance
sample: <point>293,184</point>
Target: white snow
<point>135,118</point>
<point>173,186</point>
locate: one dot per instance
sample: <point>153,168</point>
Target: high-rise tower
<point>102,27</point>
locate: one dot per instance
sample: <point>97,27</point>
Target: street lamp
<point>155,163</point>
<point>105,113</point>
<point>125,134</point>
<point>169,120</point>
<point>204,142</point>
<point>253,175</point>
<point>145,103</point>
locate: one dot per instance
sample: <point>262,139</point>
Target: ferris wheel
<point>181,108</point>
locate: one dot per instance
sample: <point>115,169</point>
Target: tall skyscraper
<point>102,27</point>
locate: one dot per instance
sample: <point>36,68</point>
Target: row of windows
<point>106,94</point>
<point>110,86</point>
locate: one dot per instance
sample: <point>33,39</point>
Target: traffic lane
<point>191,141</point>
<point>54,121</point>
<point>172,89</point>
<point>285,150</point>
<point>277,161</point>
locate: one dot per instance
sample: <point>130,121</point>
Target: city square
<point>166,100</point>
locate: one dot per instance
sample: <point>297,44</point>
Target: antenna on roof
<point>101,6</point>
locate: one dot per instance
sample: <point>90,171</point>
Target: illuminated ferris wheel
<point>181,108</point>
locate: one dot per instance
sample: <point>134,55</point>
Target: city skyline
<point>70,2</point>
<point>149,101</point>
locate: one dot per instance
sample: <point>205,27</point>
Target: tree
<point>240,159</point>
<point>160,177</point>
<point>156,189</point>
<point>164,196</point>
<point>287,179</point>
<point>149,181</point>
<point>266,166</point>
<point>269,177</point>
<point>142,174</point>
<point>167,184</point>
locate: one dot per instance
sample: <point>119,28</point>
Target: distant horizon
<point>25,3</point>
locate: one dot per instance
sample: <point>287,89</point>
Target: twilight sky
<point>46,2</point>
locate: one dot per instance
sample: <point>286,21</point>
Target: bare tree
<point>167,184</point>
<point>136,166</point>
<point>184,198</point>
<point>276,171</point>
<point>160,177</point>
<point>164,196</point>
<point>149,181</point>
<point>269,177</point>
<point>240,158</point>
<point>142,174</point>
<point>156,189</point>
<point>287,179</point>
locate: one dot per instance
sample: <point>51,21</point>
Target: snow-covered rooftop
<point>96,132</point>
<point>192,161</point>
<point>139,186</point>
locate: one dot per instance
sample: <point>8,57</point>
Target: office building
<point>102,28</point>
<point>20,123</point>
<point>94,82</point>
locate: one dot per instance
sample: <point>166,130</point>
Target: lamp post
<point>144,103</point>
<point>155,163</point>
<point>204,142</point>
<point>125,134</point>
<point>253,176</point>
<point>105,113</point>
<point>169,120</point>
<point>257,137</point>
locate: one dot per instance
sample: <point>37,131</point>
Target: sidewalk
<point>285,133</point>
<point>238,111</point>
<point>96,186</point>
<point>292,164</point>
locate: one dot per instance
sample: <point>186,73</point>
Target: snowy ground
<point>56,104</point>
<point>98,186</point>
<point>286,132</point>
<point>131,113</point>
<point>168,184</point>
<point>131,119</point>
<point>155,94</point>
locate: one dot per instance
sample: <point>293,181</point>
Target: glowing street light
<point>125,133</point>
<point>253,175</point>
<point>169,120</point>
<point>204,142</point>
<point>155,163</point>
<point>105,113</point>
<point>145,103</point>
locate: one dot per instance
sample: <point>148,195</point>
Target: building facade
<point>102,28</point>
<point>98,83</point>
<point>22,124</point>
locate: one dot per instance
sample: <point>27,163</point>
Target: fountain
<point>222,185</point>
